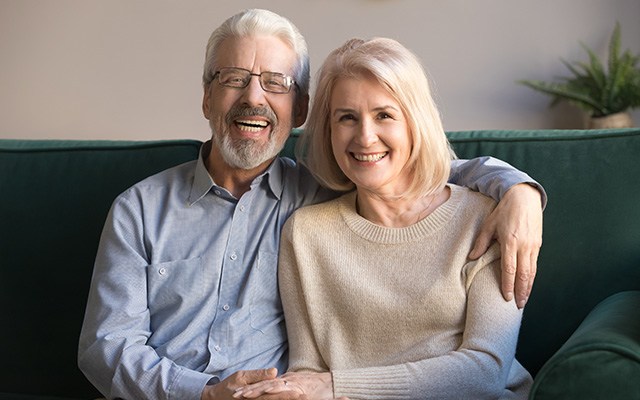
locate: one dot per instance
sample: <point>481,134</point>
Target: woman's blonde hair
<point>399,71</point>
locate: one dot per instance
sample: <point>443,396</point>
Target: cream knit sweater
<point>399,313</point>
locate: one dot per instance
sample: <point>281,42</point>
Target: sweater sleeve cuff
<point>372,383</point>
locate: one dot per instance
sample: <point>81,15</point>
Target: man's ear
<point>205,101</point>
<point>300,110</point>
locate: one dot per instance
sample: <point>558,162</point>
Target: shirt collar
<point>203,182</point>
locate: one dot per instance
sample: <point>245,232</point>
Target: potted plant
<point>607,95</point>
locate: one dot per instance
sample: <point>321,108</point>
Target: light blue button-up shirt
<point>185,285</point>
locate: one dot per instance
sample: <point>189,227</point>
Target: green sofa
<point>580,334</point>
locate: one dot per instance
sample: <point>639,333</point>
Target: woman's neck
<point>398,212</point>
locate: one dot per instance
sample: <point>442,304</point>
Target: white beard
<point>245,153</point>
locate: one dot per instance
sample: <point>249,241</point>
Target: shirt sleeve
<point>113,351</point>
<point>479,368</point>
<point>491,176</point>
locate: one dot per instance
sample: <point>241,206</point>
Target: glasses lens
<point>234,77</point>
<point>275,82</point>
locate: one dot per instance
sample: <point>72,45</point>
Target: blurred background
<point>131,69</point>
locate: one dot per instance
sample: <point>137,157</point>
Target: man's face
<point>249,125</point>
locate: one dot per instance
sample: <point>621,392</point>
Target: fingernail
<point>509,296</point>
<point>522,303</point>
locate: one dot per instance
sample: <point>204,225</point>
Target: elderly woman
<point>380,298</point>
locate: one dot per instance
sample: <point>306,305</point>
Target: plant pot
<point>617,120</point>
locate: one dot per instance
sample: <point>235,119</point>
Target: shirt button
<point>233,256</point>
<point>217,348</point>
<point>162,271</point>
<point>225,307</point>
<point>241,208</point>
<point>217,192</point>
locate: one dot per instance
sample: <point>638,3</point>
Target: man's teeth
<point>252,126</point>
<point>369,157</point>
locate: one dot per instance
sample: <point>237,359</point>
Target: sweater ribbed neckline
<point>381,234</point>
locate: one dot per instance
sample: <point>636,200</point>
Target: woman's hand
<point>312,385</point>
<point>516,223</point>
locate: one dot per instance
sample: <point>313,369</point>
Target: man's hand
<point>517,225</point>
<point>225,389</point>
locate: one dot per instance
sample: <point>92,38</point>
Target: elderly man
<point>184,299</point>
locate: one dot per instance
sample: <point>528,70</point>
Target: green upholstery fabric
<point>601,360</point>
<point>56,194</point>
<point>591,238</point>
<point>55,197</point>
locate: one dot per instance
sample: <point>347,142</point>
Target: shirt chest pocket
<point>265,307</point>
<point>175,286</point>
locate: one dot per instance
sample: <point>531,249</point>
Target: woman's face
<point>370,135</point>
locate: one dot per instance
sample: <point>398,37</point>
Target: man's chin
<point>248,160</point>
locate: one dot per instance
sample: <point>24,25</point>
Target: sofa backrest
<point>591,238</point>
<point>55,197</point>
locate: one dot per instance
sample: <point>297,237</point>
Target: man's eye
<point>274,83</point>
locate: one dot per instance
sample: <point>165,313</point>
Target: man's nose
<point>254,95</point>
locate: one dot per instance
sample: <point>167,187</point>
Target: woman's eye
<point>346,117</point>
<point>384,115</point>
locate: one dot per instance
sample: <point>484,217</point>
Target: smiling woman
<point>370,137</point>
<point>378,97</point>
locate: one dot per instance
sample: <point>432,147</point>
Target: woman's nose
<point>367,134</point>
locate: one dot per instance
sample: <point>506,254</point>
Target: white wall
<point>130,69</point>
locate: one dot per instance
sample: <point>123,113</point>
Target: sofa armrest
<point>601,360</point>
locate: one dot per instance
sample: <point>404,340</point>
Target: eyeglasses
<point>273,82</point>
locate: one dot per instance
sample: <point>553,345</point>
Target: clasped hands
<point>264,384</point>
<point>292,385</point>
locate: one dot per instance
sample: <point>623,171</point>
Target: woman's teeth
<point>369,157</point>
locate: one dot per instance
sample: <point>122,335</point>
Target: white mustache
<point>265,112</point>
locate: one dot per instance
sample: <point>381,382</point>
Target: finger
<point>534,270</point>
<point>483,241</point>
<point>273,386</point>
<point>523,275</point>
<point>508,276</point>
<point>283,396</point>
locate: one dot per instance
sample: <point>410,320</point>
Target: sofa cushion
<point>601,360</point>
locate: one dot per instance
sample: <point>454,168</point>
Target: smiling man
<point>184,297</point>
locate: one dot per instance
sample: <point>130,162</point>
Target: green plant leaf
<point>591,87</point>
